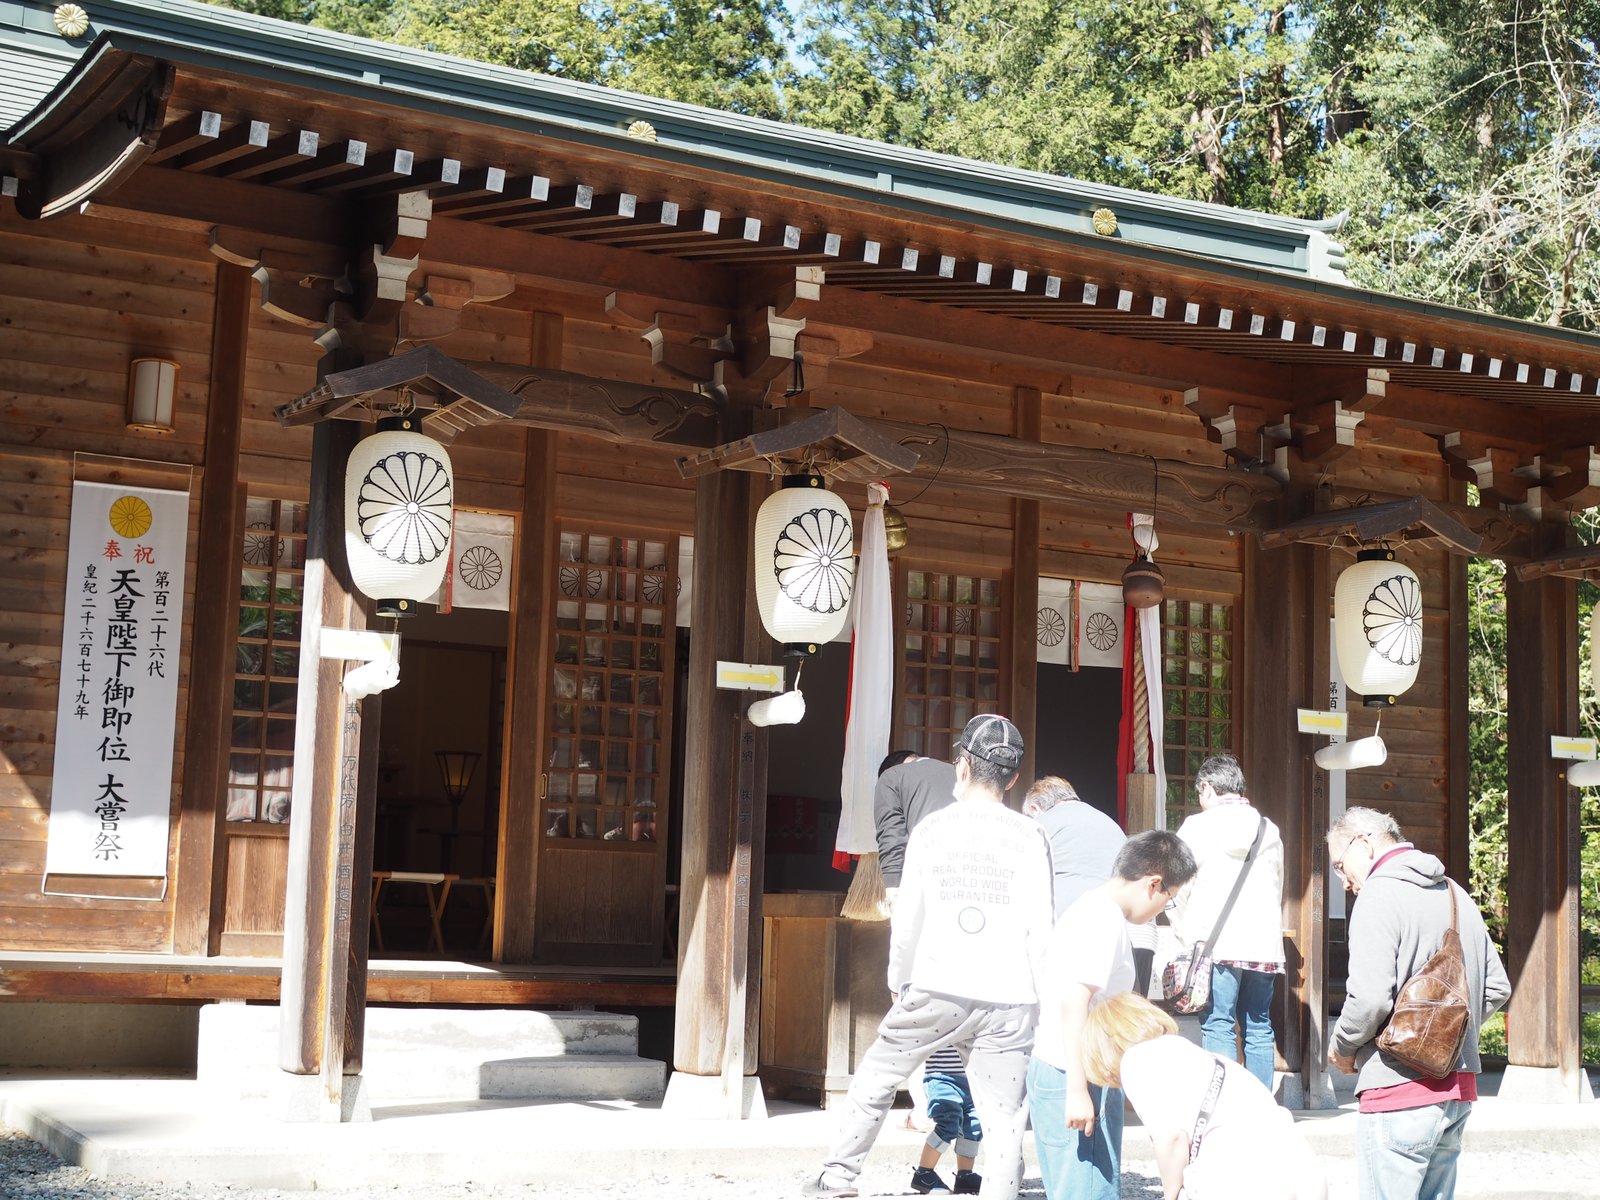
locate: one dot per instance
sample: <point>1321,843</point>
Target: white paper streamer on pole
<point>1052,633</point>
<point>685,579</point>
<point>111,790</point>
<point>1098,637</point>
<point>866,730</point>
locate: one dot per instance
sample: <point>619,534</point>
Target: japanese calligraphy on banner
<point>110,801</point>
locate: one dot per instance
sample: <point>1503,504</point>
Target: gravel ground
<point>28,1172</point>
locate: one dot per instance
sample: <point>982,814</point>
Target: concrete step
<point>451,1054</point>
<point>573,1077</point>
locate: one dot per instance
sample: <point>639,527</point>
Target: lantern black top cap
<point>804,480</point>
<point>1375,554</point>
<point>407,422</point>
<point>994,739</point>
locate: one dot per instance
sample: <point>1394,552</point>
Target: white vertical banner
<point>1098,638</point>
<point>111,792</point>
<point>1053,627</point>
<point>1336,779</point>
<point>866,728</point>
<point>481,544</point>
<point>685,579</point>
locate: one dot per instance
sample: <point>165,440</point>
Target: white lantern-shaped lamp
<point>1377,611</point>
<point>399,503</point>
<point>804,563</point>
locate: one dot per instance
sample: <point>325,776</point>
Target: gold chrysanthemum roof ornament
<point>642,130</point>
<point>71,20</point>
<point>1105,222</point>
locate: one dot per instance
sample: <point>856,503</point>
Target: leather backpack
<point>1432,1012</point>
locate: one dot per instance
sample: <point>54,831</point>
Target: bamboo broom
<point>866,900</point>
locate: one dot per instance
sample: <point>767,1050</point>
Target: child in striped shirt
<point>955,1123</point>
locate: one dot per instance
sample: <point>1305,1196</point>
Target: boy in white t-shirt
<point>1077,1127</point>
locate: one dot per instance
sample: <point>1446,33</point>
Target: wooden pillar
<point>517,862</point>
<point>715,841</point>
<point>331,777</point>
<point>1542,1024</point>
<point>1458,758</point>
<point>1283,619</point>
<point>1024,616</point>
<point>197,906</point>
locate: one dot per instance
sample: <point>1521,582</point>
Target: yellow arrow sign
<point>1314,720</point>
<point>749,677</point>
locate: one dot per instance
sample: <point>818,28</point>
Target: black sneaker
<point>968,1183</point>
<point>925,1180</point>
<point>821,1187</point>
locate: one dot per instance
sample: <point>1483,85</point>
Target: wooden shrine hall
<point>228,243</point>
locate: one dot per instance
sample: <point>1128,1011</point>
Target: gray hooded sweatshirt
<point>1397,924</point>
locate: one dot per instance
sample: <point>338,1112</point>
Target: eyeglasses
<point>1338,863</point>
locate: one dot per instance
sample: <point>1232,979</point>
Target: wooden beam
<point>318,942</point>
<point>1579,562</point>
<point>1543,830</point>
<point>197,907</point>
<point>1411,518</point>
<point>517,869</point>
<point>1286,618</point>
<point>712,718</point>
<point>95,134</point>
<point>851,449</point>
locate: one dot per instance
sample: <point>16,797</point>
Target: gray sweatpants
<point>995,1040</point>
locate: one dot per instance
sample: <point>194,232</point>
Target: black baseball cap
<point>994,739</point>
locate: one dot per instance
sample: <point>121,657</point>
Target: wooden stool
<point>438,885</point>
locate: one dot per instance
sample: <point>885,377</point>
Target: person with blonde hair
<point>1217,1131</point>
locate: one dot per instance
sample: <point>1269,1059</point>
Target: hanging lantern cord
<point>1155,488</point>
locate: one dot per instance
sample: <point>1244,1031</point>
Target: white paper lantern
<point>399,498</point>
<point>804,564</point>
<point>1377,611</point>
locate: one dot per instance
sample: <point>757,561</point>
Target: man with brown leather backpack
<point>1413,1112</point>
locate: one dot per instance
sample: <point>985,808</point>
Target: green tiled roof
<point>183,31</point>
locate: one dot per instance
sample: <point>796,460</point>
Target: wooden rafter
<point>1578,562</point>
<point>848,448</point>
<point>1416,519</point>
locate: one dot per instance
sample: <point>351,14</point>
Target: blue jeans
<point>1410,1154</point>
<point>1243,998</point>
<point>1075,1167</point>
<point>955,1123</point>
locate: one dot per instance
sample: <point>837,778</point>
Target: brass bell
<point>1143,585</point>
<point>897,534</point>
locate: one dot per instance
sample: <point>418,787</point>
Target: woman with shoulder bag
<point>1247,954</point>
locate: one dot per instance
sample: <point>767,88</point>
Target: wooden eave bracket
<point>1416,519</point>
<point>684,343</point>
<point>1579,562</point>
<point>846,448</point>
<point>426,369</point>
<point>92,132</point>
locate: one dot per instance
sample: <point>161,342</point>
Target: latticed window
<point>950,668</point>
<point>266,660</point>
<point>1197,656</point>
<point>610,704</point>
